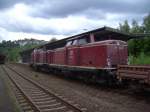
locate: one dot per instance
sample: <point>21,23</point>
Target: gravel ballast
<point>95,99</point>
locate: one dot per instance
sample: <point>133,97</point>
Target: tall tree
<point>135,46</point>
<point>146,23</point>
<point>135,27</point>
<point>146,26</point>
<point>53,39</point>
<point>124,27</point>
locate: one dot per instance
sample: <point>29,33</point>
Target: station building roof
<point>104,33</point>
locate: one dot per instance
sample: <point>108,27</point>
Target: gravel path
<point>95,99</point>
<point>7,103</point>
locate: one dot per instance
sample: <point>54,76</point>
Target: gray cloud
<point>26,27</point>
<point>63,8</point>
<point>7,3</point>
<point>30,26</point>
<point>93,10</point>
<point>4,4</point>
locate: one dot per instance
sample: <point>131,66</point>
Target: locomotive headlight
<point>108,62</point>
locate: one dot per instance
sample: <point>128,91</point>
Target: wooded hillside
<point>12,48</point>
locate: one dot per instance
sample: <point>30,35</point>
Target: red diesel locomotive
<point>84,56</point>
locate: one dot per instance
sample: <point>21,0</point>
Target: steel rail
<point>35,107</point>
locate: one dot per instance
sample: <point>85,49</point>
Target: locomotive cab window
<point>75,42</point>
<point>69,43</point>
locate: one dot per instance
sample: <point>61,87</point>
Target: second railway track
<point>39,99</point>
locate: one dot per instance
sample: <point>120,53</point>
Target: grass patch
<point>142,59</point>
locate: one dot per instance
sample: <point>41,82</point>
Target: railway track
<point>33,97</point>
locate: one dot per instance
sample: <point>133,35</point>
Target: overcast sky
<point>44,19</point>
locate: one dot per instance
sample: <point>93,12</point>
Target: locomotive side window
<point>83,41</point>
<point>69,43</point>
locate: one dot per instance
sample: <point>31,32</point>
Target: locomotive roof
<point>106,31</point>
<point>102,32</point>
